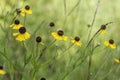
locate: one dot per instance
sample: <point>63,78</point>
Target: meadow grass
<point>53,56</point>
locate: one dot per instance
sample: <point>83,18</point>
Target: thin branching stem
<point>94,17</point>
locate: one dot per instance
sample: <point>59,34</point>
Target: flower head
<point>110,44</point>
<point>51,24</point>
<point>22,35</point>
<point>76,41</point>
<point>16,24</point>
<point>2,72</point>
<point>43,78</point>
<point>59,35</point>
<point>117,60</point>
<point>25,10</point>
<point>102,29</point>
<point>38,39</point>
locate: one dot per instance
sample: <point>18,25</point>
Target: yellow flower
<point>59,35</point>
<point>76,41</point>
<point>22,35</point>
<point>24,11</point>
<point>110,44</point>
<point>102,29</point>
<point>117,60</point>
<point>2,72</point>
<point>16,24</point>
<point>20,12</point>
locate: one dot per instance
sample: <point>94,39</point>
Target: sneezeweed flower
<point>38,39</point>
<point>26,9</point>
<point>23,11</point>
<point>43,78</point>
<point>102,29</point>
<point>76,41</point>
<point>52,24</point>
<point>2,72</point>
<point>22,35</point>
<point>59,35</point>
<point>16,24</point>
<point>110,44</point>
<point>20,12</point>
<point>117,60</point>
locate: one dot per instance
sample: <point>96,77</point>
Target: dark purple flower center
<point>103,27</point>
<point>76,38</point>
<point>111,41</point>
<point>60,33</point>
<point>22,30</point>
<point>27,7</point>
<point>38,39</point>
<point>17,22</point>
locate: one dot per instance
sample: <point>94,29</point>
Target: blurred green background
<point>73,16</point>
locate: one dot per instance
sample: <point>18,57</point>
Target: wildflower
<point>59,35</point>
<point>16,24</point>
<point>22,35</point>
<point>20,12</point>
<point>102,29</point>
<point>52,24</point>
<point>42,78</point>
<point>76,41</point>
<point>38,39</point>
<point>25,10</point>
<point>2,72</point>
<point>110,44</point>
<point>117,60</point>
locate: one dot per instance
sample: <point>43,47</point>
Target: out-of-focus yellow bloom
<point>2,72</point>
<point>59,35</point>
<point>16,24</point>
<point>25,10</point>
<point>117,60</point>
<point>76,41</point>
<point>22,35</point>
<point>110,44</point>
<point>102,29</point>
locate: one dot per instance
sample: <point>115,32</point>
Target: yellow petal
<point>106,43</point>
<point>28,11</point>
<point>73,41</point>
<point>17,26</point>
<point>27,35</point>
<point>22,14</point>
<point>15,34</point>
<point>78,43</point>
<point>65,38</point>
<point>2,72</point>
<point>117,60</point>
<point>55,35</point>
<point>113,46</point>
<point>23,37</point>
<point>103,31</point>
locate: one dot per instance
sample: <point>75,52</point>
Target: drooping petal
<point>15,34</point>
<point>103,31</point>
<point>65,38</point>
<point>2,72</point>
<point>117,60</point>
<point>106,43</point>
<point>113,46</point>
<point>28,11</point>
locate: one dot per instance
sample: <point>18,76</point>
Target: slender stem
<point>74,7</point>
<point>94,17</point>
<point>65,7</point>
